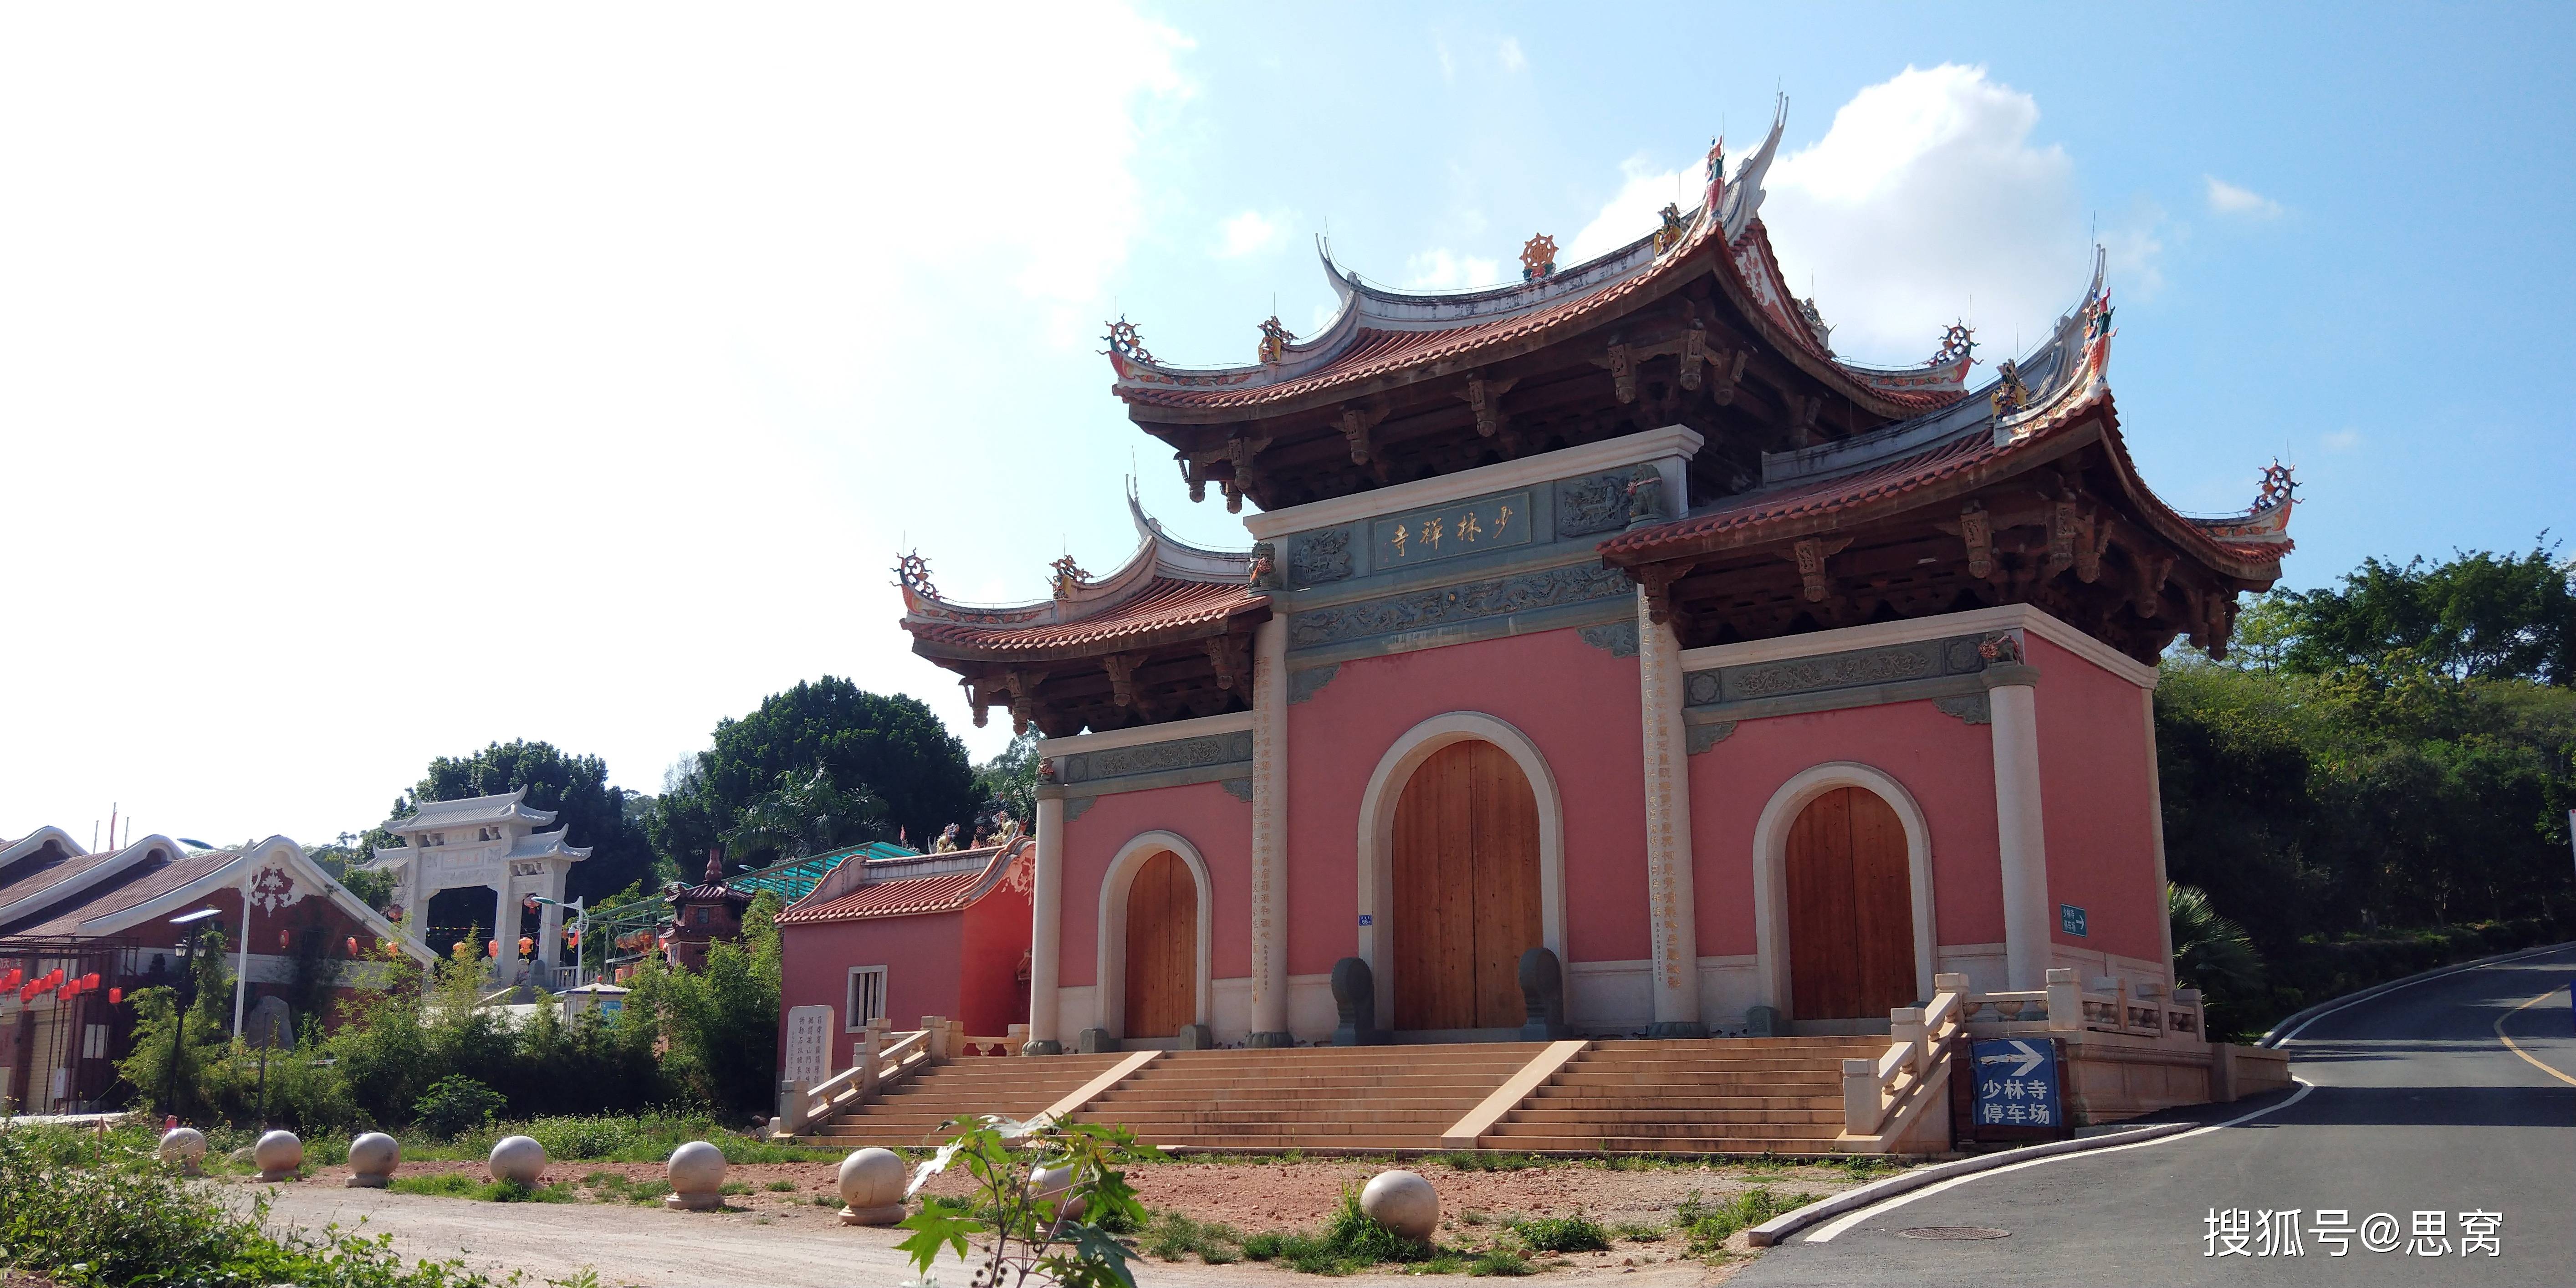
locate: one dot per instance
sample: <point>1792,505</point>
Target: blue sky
<point>382,385</point>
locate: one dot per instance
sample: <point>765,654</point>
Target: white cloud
<point>1925,202</point>
<point>545,311</point>
<point>2341,440</point>
<point>1248,233</point>
<point>1448,65</point>
<point>1442,270</point>
<point>1510,55</point>
<point>2227,199</point>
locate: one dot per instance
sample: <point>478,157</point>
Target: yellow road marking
<point>2516,1047</point>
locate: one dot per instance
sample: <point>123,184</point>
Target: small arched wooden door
<point>1851,909</point>
<point>1466,890</point>
<point>1162,948</point>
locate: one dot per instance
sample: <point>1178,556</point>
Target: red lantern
<point>281,941</point>
<point>10,980</point>
<point>116,997</point>
<point>526,945</point>
<point>89,981</point>
<point>353,945</point>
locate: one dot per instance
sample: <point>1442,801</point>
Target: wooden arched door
<point>1162,948</point>
<point>1466,890</point>
<point>1851,909</point>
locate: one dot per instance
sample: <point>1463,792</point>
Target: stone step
<point>1665,1112</point>
<point>1659,1145</point>
<point>1297,1086</point>
<point>1642,1128</point>
<point>1339,1120</point>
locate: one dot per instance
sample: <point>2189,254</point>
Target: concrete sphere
<point>372,1160</point>
<point>872,1187</point>
<point>184,1146</point>
<point>1404,1203</point>
<point>1050,1183</point>
<point>517,1158</point>
<point>278,1154</point>
<point>697,1172</point>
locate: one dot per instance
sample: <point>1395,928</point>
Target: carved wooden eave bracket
<point>1243,452</point>
<point>1622,363</point>
<point>1810,556</point>
<point>1357,421</point>
<point>1226,654</point>
<point>1122,677</point>
<point>1484,396</point>
<point>1656,580</point>
<point>2148,596</point>
<point>1023,683</point>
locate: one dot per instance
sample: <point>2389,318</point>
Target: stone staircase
<point>1712,1096</point>
<point>1717,1096</point>
<point>1310,1098</point>
<point>909,1113</point>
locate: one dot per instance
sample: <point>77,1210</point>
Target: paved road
<point>2418,1104</point>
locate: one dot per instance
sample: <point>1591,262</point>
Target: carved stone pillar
<point>2021,840</point>
<point>1673,911</point>
<point>505,932</point>
<point>1046,931</point>
<point>1270,835</point>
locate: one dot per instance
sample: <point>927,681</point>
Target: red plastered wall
<point>2099,811</point>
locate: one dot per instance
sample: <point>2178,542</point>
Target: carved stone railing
<point>2138,1008</point>
<point>1877,1093</point>
<point>879,1059</point>
<point>1008,1044</point>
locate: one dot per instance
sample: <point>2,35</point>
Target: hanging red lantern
<point>10,980</point>
<point>116,997</point>
<point>353,945</point>
<point>89,981</point>
<point>281,941</point>
<point>526,945</point>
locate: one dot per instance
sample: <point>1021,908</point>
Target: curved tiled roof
<point>1163,604</point>
<point>913,896</point>
<point>135,886</point>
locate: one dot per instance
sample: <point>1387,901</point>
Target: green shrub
<point>780,1187</point>
<point>1576,1233</point>
<point>1500,1261</point>
<point>1174,1235</point>
<point>1710,1225</point>
<point>455,1105</point>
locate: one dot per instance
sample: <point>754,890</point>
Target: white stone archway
<point>1771,863</point>
<point>1377,834</point>
<point>1112,947</point>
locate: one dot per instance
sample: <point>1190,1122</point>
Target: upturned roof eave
<point>1254,610</point>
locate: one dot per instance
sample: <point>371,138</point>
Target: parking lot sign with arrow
<point>2016,1089</point>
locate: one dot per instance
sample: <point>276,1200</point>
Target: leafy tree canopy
<point>2480,615</point>
<point>888,748</point>
<point>594,813</point>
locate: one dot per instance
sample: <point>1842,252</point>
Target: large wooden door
<point>1162,948</point>
<point>1466,890</point>
<point>1851,909</point>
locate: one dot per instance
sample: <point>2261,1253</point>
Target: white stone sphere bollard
<point>278,1154</point>
<point>186,1147</point>
<point>1050,1183</point>
<point>872,1187</point>
<point>517,1158</point>
<point>696,1171</point>
<point>372,1160</point>
<point>1404,1203</point>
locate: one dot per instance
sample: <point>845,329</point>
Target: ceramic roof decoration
<point>910,885</point>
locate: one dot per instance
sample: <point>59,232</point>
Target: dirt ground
<point>786,1239</point>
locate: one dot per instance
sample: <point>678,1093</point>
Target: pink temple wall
<point>2098,806</point>
<point>923,955</point>
<point>1947,765</point>
<point>991,995</point>
<point>1211,819</point>
<point>1575,701</point>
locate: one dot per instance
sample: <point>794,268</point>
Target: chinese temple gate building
<point>1610,613</point>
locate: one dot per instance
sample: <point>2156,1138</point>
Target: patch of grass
<point>1500,1261</point>
<point>462,1185</point>
<point>1709,1225</point>
<point>1479,1160</point>
<point>734,1187</point>
<point>1638,1232</point>
<point>780,1187</point>
<point>1576,1233</point>
<point>1174,1235</point>
<point>826,1201</point>
<point>1473,1217</point>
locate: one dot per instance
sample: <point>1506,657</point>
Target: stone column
<point>2021,841</point>
<point>1046,933</point>
<point>505,931</point>
<point>2156,826</point>
<point>1672,908</point>
<point>1270,836</point>
<point>550,930</point>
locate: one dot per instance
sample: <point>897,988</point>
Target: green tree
<point>891,747</point>
<point>593,813</point>
<point>1009,781</point>
<point>806,814</point>
<point>2480,615</point>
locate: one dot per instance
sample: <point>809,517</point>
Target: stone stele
<point>517,1158</point>
<point>184,1146</point>
<point>278,1154</point>
<point>871,1187</point>
<point>372,1160</point>
<point>1404,1203</point>
<point>697,1172</point>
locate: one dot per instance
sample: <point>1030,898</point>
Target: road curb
<point>1788,1223</point>
<point>2289,1025</point>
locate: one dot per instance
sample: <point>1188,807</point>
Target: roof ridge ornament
<point>1538,258</point>
<point>912,573</point>
<point>1068,577</point>
<point>1126,346</point>
<point>1958,344</point>
<point>1274,341</point>
<point>2280,485</point>
<point>1670,234</point>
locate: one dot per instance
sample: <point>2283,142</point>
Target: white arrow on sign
<point>2022,1051</point>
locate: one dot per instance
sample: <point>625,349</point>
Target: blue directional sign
<point>2070,919</point>
<point>2016,1083</point>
